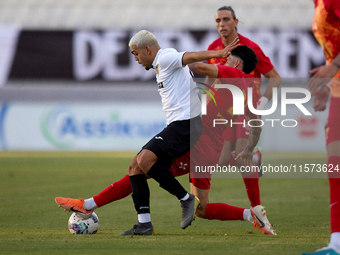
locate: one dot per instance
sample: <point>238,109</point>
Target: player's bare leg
<point>225,154</point>
<point>251,179</point>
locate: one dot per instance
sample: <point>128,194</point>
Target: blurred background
<point>69,82</point>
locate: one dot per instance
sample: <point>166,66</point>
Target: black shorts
<point>175,140</point>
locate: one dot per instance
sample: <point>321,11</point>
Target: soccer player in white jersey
<point>183,109</point>
<point>184,127</point>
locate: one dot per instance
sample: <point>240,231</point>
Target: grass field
<point>31,222</point>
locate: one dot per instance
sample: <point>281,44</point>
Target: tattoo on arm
<point>254,134</point>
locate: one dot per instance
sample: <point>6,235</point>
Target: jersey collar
<point>156,58</point>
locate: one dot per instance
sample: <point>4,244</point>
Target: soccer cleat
<point>258,150</point>
<point>261,221</point>
<point>322,251</point>
<point>189,207</point>
<point>141,230</point>
<point>74,205</point>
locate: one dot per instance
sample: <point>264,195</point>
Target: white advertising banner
<point>79,126</point>
<point>128,126</point>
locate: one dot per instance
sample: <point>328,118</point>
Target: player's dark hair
<point>228,8</point>
<point>247,55</point>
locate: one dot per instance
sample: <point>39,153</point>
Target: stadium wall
<point>85,55</point>
<point>71,90</point>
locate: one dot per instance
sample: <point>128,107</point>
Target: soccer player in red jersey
<point>205,152</point>
<point>226,24</point>
<point>236,72</point>
<point>326,29</point>
<point>236,137</point>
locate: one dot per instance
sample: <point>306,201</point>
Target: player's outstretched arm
<point>204,69</point>
<point>191,57</point>
<point>254,137</point>
<point>325,72</point>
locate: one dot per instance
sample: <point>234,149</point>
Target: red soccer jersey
<point>214,135</point>
<point>263,65</point>
<point>326,29</point>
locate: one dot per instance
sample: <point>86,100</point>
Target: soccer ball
<point>77,225</point>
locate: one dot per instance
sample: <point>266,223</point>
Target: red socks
<point>253,189</point>
<point>115,191</point>
<point>334,190</point>
<point>220,211</point>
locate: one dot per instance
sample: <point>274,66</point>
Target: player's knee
<point>131,170</point>
<point>134,168</point>
<point>141,162</point>
<point>145,162</point>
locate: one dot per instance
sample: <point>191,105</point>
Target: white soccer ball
<point>77,225</point>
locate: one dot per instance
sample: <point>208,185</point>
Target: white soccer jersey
<point>178,92</point>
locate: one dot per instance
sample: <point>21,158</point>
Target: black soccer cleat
<point>143,229</point>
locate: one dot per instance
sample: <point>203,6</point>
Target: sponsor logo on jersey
<point>160,85</point>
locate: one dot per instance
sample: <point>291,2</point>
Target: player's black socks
<point>140,193</point>
<point>166,180</point>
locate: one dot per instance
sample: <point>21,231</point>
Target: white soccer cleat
<point>261,221</point>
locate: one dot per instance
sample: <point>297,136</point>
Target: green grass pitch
<point>31,222</point>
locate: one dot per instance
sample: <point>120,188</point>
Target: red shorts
<point>194,162</point>
<point>332,128</point>
<point>231,134</point>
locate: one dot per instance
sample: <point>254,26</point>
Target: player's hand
<point>247,157</point>
<point>226,51</point>
<point>233,44</point>
<point>321,76</point>
<point>320,99</point>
